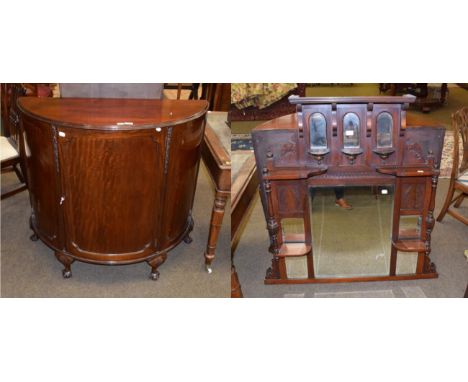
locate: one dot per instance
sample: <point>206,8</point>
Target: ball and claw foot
<point>34,237</point>
<point>154,275</point>
<point>187,239</point>
<point>66,274</point>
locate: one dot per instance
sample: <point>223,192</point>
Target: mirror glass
<point>410,228</point>
<point>351,243</point>
<point>318,131</point>
<point>293,232</point>
<point>384,130</point>
<point>351,127</point>
<point>355,242</point>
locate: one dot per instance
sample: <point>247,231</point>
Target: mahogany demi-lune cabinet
<point>111,181</point>
<point>361,146</point>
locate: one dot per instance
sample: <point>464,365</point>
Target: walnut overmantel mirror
<point>360,146</point>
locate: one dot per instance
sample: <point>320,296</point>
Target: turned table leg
<point>236,291</point>
<point>154,263</point>
<point>215,226</point>
<point>67,261</point>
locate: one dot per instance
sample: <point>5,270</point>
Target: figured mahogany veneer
<point>111,181</point>
<point>289,162</point>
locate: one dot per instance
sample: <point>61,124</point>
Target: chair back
<point>144,91</point>
<point>10,116</point>
<point>460,130</point>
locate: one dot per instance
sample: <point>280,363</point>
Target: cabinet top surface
<point>112,114</point>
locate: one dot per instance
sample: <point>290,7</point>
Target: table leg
<point>215,226</point>
<point>236,291</point>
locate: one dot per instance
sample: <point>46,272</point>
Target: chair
<point>459,175</point>
<point>9,152</point>
<point>191,88</point>
<point>119,90</point>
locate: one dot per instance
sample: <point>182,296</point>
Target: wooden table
<point>216,153</point>
<point>244,189</point>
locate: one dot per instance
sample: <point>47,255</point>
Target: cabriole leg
<point>187,239</point>
<point>67,261</point>
<point>154,263</point>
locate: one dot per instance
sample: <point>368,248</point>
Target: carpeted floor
<point>29,269</point>
<point>449,240</point>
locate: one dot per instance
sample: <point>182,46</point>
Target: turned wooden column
<point>216,221</point>
<point>216,154</point>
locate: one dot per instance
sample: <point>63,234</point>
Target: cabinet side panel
<point>42,171</point>
<point>182,159</point>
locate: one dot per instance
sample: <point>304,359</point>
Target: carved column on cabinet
<point>273,229</point>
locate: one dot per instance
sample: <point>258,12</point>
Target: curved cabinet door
<point>42,172</point>
<point>112,188</point>
<point>182,164</point>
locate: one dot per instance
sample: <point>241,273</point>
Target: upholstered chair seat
<point>7,150</point>
<point>463,179</point>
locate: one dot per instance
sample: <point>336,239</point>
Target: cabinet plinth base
<point>329,280</point>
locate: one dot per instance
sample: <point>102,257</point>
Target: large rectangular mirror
<point>350,242</point>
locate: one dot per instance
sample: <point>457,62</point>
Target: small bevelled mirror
<point>384,130</point>
<point>351,127</point>
<point>318,131</point>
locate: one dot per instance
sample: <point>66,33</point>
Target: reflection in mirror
<point>384,130</point>
<point>351,128</point>
<point>410,228</point>
<point>318,131</point>
<point>354,242</point>
<point>293,232</point>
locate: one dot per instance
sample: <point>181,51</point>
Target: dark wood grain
<point>109,194</point>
